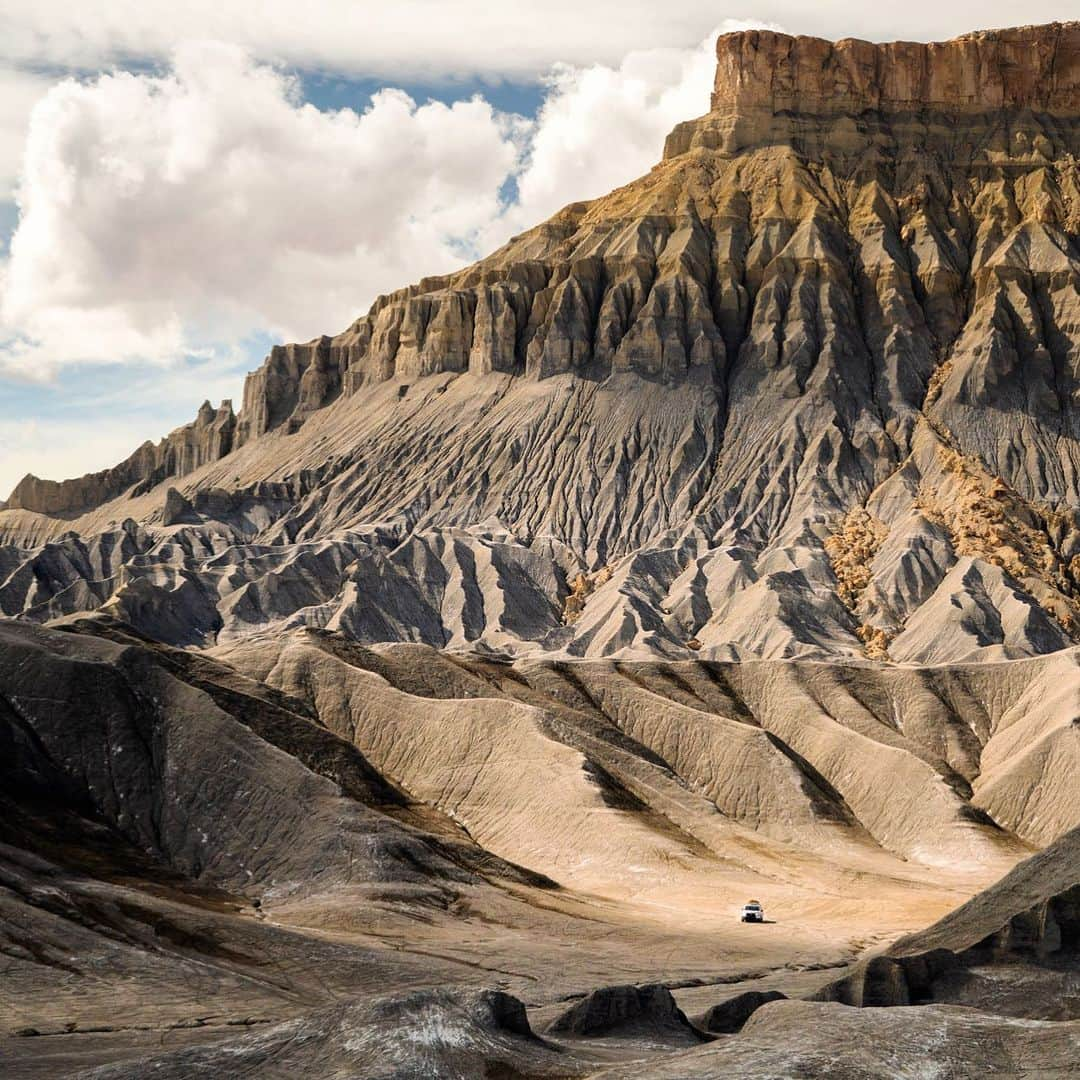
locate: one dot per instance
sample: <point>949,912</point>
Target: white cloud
<point>393,41</point>
<point>163,213</point>
<point>19,91</point>
<point>601,126</point>
<point>409,38</point>
<point>171,214</point>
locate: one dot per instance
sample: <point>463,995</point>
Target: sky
<point>183,185</point>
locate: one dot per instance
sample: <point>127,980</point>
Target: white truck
<point>752,911</point>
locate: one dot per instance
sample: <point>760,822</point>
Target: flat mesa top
<point>1036,67</point>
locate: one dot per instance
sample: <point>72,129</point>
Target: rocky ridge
<point>1029,67</point>
<point>207,438</point>
<point>850,289</point>
<point>536,621</point>
<point>302,855</point>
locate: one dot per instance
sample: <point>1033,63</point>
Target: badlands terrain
<point>434,714</point>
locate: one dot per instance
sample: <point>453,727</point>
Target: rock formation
<point>1012,947</point>
<point>207,438</point>
<point>451,1035</point>
<point>848,293</point>
<point>1031,67</point>
<point>305,855</point>
<point>628,1012</point>
<point>730,1016</point>
<point>719,537</point>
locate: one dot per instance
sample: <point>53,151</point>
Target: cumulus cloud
<point>19,92</point>
<point>410,38</point>
<point>161,213</point>
<point>406,38</point>
<point>170,214</point>
<point>601,126</point>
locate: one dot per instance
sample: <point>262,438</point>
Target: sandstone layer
<point>718,538</point>
<point>807,327</point>
<point>207,438</point>
<point>1030,67</point>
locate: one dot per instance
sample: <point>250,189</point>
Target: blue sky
<point>112,407</point>
<point>222,176</point>
<point>327,91</point>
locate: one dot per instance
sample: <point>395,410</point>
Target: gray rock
<point>627,1012</point>
<point>729,1016</point>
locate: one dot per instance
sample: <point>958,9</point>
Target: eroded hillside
<point>850,289</point>
<point>309,855</point>
<point>437,713</point>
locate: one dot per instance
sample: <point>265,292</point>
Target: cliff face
<point>668,297</point>
<point>207,438</point>
<point>1032,67</point>
<point>809,386</point>
<point>651,303</point>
